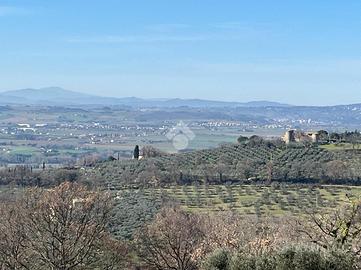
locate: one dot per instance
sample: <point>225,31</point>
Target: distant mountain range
<point>58,96</point>
<point>258,112</point>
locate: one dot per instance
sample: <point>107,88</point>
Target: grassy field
<point>340,146</point>
<point>258,200</point>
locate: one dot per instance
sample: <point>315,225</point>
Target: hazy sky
<point>299,52</point>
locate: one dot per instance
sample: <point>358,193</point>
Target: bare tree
<point>270,171</point>
<point>221,168</point>
<point>208,172</point>
<point>340,229</point>
<point>171,241</point>
<point>234,232</point>
<point>14,249</point>
<point>60,229</point>
<point>114,255</point>
<point>150,151</point>
<point>223,230</point>
<point>244,169</point>
<point>336,169</point>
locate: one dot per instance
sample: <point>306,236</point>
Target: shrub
<point>218,260</point>
<point>339,260</point>
<point>252,262</point>
<point>309,258</point>
<point>242,139</point>
<point>298,258</point>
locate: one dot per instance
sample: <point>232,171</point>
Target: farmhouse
<point>299,136</point>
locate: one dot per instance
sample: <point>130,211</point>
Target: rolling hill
<point>232,163</point>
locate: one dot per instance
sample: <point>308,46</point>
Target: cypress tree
<point>136,152</point>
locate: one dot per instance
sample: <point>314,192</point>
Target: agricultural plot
<point>236,162</point>
<point>257,200</point>
<point>341,146</point>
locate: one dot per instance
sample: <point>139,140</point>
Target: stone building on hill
<point>299,136</point>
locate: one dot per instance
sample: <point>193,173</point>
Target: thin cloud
<point>11,10</point>
<point>239,27</point>
<point>229,25</point>
<point>173,32</point>
<point>168,27</point>
<point>150,39</point>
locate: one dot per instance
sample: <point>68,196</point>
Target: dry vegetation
<point>72,227</point>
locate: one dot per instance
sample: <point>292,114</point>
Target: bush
<point>339,260</point>
<point>307,258</point>
<point>252,262</point>
<point>242,139</point>
<point>299,258</point>
<point>218,260</point>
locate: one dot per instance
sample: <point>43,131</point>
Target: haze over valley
<point>180,135</point>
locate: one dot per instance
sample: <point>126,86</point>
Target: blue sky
<point>299,52</point>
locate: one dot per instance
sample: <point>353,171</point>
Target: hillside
<point>233,163</point>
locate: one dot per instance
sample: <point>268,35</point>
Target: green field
<point>340,146</point>
<point>22,150</point>
<point>257,199</point>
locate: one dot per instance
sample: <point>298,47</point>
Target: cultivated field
<point>258,200</point>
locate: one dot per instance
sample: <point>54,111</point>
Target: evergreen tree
<point>136,152</point>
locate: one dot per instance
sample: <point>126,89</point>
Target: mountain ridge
<point>60,96</point>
